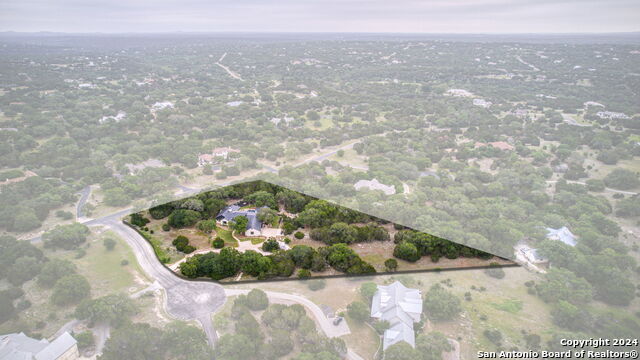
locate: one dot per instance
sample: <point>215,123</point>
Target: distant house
<point>502,145</point>
<point>562,234</point>
<point>375,185</point>
<point>612,115</point>
<point>254,226</point>
<point>458,93</point>
<point>217,153</point>
<point>482,103</point>
<point>401,307</point>
<point>534,256</point>
<point>20,346</point>
<point>151,163</point>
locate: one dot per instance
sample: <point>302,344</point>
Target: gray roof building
<point>401,307</point>
<point>21,347</point>
<point>233,211</point>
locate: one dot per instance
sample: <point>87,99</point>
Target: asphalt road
<point>185,299</point>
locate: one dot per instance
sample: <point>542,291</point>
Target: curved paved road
<point>185,300</point>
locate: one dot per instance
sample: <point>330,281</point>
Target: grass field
<point>228,238</point>
<point>104,271</point>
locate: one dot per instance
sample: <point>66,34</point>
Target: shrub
<point>218,243</point>
<point>270,245</point>
<point>391,264</point>
<point>166,227</point>
<point>85,340</point>
<point>299,235</point>
<point>406,251</point>
<point>182,218</point>
<point>304,274</point>
<point>109,244</point>
<point>124,262</point>
<point>139,220</point>
<point>358,311</point>
<point>180,242</point>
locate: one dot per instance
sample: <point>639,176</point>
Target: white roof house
<point>21,347</point>
<point>375,185</point>
<point>562,234</point>
<point>401,307</point>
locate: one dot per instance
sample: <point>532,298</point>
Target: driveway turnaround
<point>185,299</point>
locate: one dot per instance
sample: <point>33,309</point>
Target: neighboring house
<point>217,153</point>
<point>458,93</point>
<point>136,168</point>
<point>254,226</point>
<point>375,185</point>
<point>530,258</point>
<point>482,103</point>
<point>611,115</point>
<point>501,145</point>
<point>533,256</point>
<point>563,234</point>
<point>20,346</point>
<point>401,307</point>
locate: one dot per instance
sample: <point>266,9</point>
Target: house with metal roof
<point>21,347</point>
<point>228,214</point>
<point>401,307</point>
<point>562,234</point>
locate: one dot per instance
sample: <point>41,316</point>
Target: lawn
<point>228,238</point>
<point>104,268</point>
<point>325,123</point>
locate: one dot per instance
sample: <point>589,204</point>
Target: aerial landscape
<point>427,196</point>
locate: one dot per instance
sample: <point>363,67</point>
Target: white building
<point>375,185</point>
<point>562,234</point>
<point>611,115</point>
<point>401,307</point>
<point>20,346</point>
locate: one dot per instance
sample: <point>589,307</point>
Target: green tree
<point>135,341</point>
<point>406,251</point>
<point>24,269</point>
<point>257,300</point>
<point>440,304</point>
<point>66,237</point>
<point>85,340</point>
<point>183,218</point>
<point>358,311</point>
<point>53,270</point>
<point>367,290</point>
<point>70,289</point>
<point>206,226</point>
<point>401,351</point>
<point>262,198</point>
<point>622,179</point>
<point>114,309</point>
<point>239,224</point>
<point>562,284</point>
<point>391,264</point>
<point>186,342</point>
<point>116,197</point>
<point>7,309</point>
<point>236,347</point>
<point>432,345</point>
<point>267,215</point>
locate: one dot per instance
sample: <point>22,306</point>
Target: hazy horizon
<point>329,16</point>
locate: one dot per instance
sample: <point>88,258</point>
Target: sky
<point>379,16</point>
